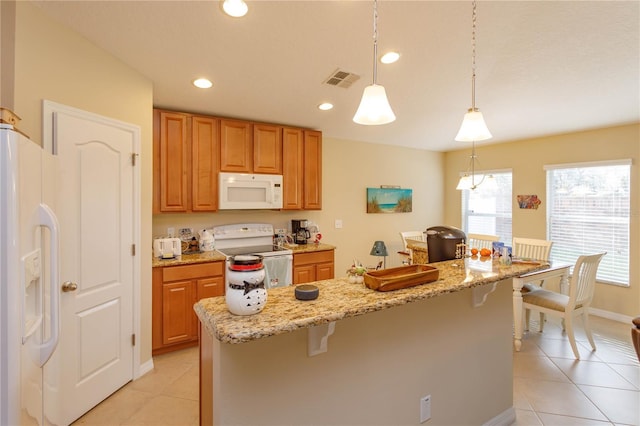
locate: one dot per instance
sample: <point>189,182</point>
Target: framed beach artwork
<point>389,200</point>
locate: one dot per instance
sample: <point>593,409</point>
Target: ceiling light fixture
<point>202,83</point>
<point>473,126</point>
<point>374,107</point>
<point>468,179</point>
<point>325,106</point>
<point>235,8</point>
<point>390,57</point>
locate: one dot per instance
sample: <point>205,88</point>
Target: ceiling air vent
<point>341,78</point>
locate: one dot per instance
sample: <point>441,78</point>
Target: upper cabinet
<point>185,166</point>
<point>312,170</point>
<point>236,146</point>
<point>190,150</point>
<point>267,149</point>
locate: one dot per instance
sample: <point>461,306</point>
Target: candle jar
<point>245,292</point>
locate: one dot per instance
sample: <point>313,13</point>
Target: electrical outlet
<point>171,232</point>
<point>338,224</point>
<point>425,408</point>
<point>281,231</point>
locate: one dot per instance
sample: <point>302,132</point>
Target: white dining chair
<point>410,235</point>
<point>568,307</point>
<point>481,241</point>
<point>529,248</point>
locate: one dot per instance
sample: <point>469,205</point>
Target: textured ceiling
<point>543,67</point>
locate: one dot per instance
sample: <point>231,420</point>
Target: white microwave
<point>240,191</point>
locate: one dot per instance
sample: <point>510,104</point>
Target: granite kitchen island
<point>358,356</point>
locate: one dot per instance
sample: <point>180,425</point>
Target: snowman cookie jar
<point>245,292</point>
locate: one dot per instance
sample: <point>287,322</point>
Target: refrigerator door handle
<point>46,218</point>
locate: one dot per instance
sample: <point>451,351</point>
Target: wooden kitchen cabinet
<point>185,167</point>
<point>175,290</point>
<point>313,266</point>
<point>236,146</point>
<point>302,169</point>
<point>267,149</point>
<point>292,169</point>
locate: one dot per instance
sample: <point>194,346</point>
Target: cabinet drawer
<point>315,257</point>
<point>186,272</point>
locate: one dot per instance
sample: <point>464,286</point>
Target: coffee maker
<point>300,230</point>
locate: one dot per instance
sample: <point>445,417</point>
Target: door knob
<point>68,286</point>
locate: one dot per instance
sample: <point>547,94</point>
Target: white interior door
<point>96,211</point>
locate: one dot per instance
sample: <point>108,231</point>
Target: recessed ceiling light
<point>202,83</point>
<point>235,8</point>
<point>325,106</point>
<point>390,57</point>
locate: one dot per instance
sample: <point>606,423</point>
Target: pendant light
<point>473,126</point>
<point>374,107</point>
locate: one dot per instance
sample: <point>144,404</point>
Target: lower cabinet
<point>313,266</point>
<point>175,290</point>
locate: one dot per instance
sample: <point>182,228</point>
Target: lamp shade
<point>379,249</point>
<point>374,107</point>
<point>473,128</point>
<point>465,183</point>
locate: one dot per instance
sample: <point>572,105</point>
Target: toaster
<point>167,248</point>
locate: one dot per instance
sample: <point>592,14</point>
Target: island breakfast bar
<point>359,356</point>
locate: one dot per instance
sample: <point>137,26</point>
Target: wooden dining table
<point>556,270</point>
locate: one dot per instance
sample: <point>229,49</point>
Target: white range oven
<point>256,238</point>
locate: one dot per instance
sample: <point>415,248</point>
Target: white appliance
<point>239,191</point>
<point>29,285</point>
<point>256,238</point>
<point>167,248</point>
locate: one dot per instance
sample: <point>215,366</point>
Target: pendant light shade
<point>473,128</point>
<point>374,106</point>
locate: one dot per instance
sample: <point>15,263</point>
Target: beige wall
<point>56,64</point>
<point>350,167</point>
<point>526,160</point>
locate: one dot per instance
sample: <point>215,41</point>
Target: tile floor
<point>550,386</point>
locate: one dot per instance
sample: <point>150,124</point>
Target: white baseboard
<point>505,418</point>
<point>145,368</point>
<point>611,315</point>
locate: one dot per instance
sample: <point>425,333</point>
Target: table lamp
<point>379,249</point>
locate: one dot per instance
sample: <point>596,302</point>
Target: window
<point>588,208</point>
<point>487,210</point>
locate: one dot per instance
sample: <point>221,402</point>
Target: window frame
<point>602,277</point>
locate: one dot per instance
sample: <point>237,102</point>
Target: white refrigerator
<point>29,286</point>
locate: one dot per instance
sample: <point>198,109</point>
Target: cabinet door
<point>236,146</point>
<point>204,164</point>
<point>267,149</point>
<point>292,168</point>
<point>304,274</point>
<point>210,287</point>
<point>177,312</point>
<point>172,161</point>
<point>312,170</point>
<point>324,271</point>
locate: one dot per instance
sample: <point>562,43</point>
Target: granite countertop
<point>340,299</point>
<point>309,248</point>
<point>213,256</point>
<point>187,259</point>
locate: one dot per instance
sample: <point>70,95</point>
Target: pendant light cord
<point>473,57</point>
<point>375,41</point>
